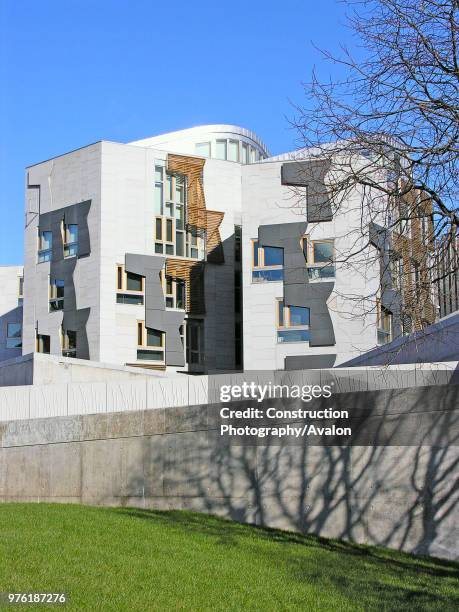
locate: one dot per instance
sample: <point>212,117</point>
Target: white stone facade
<point>118,180</point>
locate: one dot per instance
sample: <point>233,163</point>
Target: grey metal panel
<point>156,315</point>
<point>391,298</point>
<point>63,268</point>
<point>298,291</point>
<point>309,362</point>
<point>310,174</point>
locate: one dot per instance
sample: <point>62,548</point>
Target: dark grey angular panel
<point>309,362</point>
<point>298,291</point>
<point>156,315</point>
<point>391,298</point>
<point>310,174</point>
<point>63,268</point>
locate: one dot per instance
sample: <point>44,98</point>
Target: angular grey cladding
<point>63,268</point>
<point>391,298</point>
<point>309,362</point>
<point>298,291</point>
<point>156,315</point>
<point>310,174</point>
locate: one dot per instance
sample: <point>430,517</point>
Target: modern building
<point>196,251</point>
<point>11,295</point>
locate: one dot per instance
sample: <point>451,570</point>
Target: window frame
<point>142,334</point>
<point>121,289</point>
<point>261,264</point>
<point>71,247</point>
<point>314,267</point>
<point>44,255</point>
<point>382,332</point>
<point>53,297</point>
<point>286,325</point>
<point>13,337</point>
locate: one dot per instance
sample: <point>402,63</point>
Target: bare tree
<point>390,129</point>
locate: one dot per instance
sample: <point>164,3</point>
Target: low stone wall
<point>405,497</point>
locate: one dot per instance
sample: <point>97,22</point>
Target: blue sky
<point>79,71</point>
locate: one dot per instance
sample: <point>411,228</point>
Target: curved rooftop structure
<point>218,141</point>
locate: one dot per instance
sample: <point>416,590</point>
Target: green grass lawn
<point>130,559</point>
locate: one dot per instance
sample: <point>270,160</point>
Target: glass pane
<point>59,285</point>
<point>270,275</point>
<point>129,298</point>
<point>169,209</point>
<point>133,282</point>
<point>274,256</point>
<point>72,233</point>
<point>158,247</point>
<point>180,294</point>
<point>245,154</point>
<point>299,315</point>
<point>203,149</point>
<point>281,313</point>
<point>13,343</point>
<point>233,150</point>
<point>180,244</point>
<point>252,155</point>
<point>46,241</point>
<point>179,216</point>
<point>255,253</point>
<point>158,173</point>
<point>71,339</point>
<point>169,249</point>
<point>179,189</point>
<point>323,251</point>
<point>150,355</point>
<point>169,230</point>
<point>168,284</point>
<point>154,337</point>
<point>293,335</point>
<point>158,199</point>
<point>159,231</point>
<point>221,149</point>
<point>169,188</point>
<point>170,302</point>
<point>14,330</point>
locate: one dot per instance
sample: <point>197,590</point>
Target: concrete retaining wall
<point>404,497</point>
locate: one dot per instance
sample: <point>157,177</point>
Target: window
<point>384,324</point>
<point>292,323</point>
<point>415,277</point>
<point>233,150</point>
<point>245,153</point>
<point>43,344</point>
<point>45,245</point>
<point>267,263</point>
<point>159,188</point>
<point>221,149</point>
<point>14,336</point>
<point>69,343</point>
<point>56,295</point>
<point>130,287</point>
<point>20,290</point>
<point>202,149</point>
<point>195,341</point>
<point>150,343</point>
<point>70,239</point>
<point>173,236</point>
<point>320,258</point>
<point>174,291</point>
<point>396,270</point>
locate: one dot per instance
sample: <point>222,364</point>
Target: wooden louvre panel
<point>198,216</point>
<point>192,168</point>
<point>192,273</point>
<point>214,243</point>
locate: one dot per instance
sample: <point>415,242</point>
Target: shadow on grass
<point>228,532</point>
